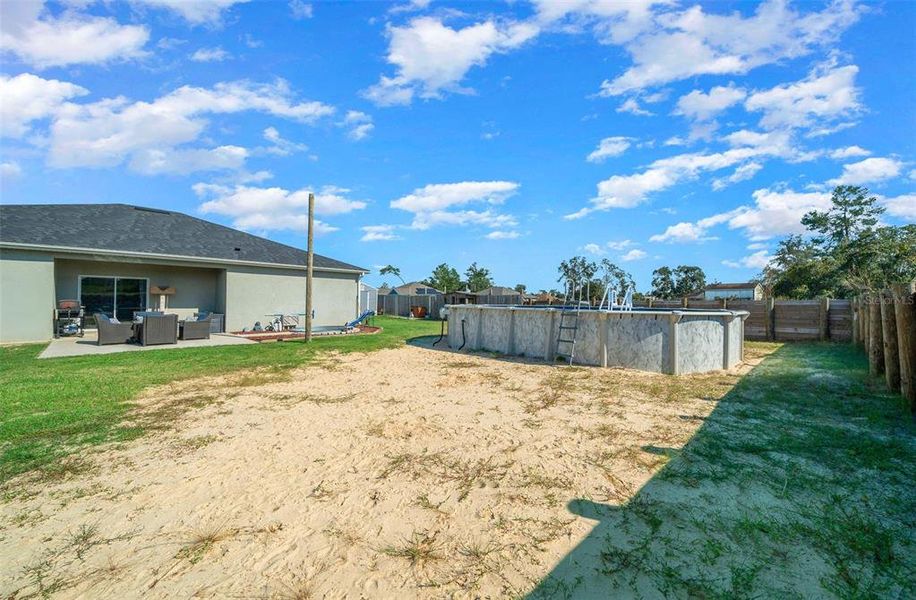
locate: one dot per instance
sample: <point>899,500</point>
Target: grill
<point>69,318</point>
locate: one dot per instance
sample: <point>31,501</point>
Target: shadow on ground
<point>799,484</point>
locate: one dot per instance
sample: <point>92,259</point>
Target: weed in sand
<point>424,502</point>
<point>202,541</point>
<point>419,549</point>
<point>84,538</point>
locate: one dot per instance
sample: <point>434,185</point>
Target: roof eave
<point>193,259</point>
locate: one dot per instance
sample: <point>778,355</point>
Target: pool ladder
<point>569,326</point>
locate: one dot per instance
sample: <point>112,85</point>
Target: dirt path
<point>397,474</point>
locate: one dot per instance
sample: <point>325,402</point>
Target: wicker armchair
<point>113,333</point>
<point>194,330</point>
<point>158,329</point>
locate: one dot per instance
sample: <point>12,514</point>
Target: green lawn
<point>800,484</point>
<point>52,408</point>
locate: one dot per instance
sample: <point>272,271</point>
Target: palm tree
<point>392,270</point>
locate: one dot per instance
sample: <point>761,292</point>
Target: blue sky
<point>511,134</point>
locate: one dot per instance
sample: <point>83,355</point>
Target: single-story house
<point>118,258</point>
<point>744,291</point>
<point>498,290</point>
<point>415,288</point>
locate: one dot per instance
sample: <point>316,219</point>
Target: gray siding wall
<point>26,296</point>
<point>195,288</point>
<point>253,293</point>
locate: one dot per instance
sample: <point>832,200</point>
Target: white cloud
<point>676,45</point>
<point>628,191</point>
<point>10,170</point>
<point>28,98</point>
<point>110,131</point>
<point>210,55</point>
<point>826,95</point>
<point>378,233</point>
<point>594,249</point>
<point>151,161</point>
<point>431,204</point>
<point>360,124</point>
<point>196,12</point>
<point>634,254</point>
<point>609,147</point>
<point>870,170</point>
<point>274,208</point>
<point>757,260</point>
<point>742,173</point>
<point>691,232</point>
<point>774,213</point>
<point>619,245</point>
<point>40,39</point>
<point>849,152</point>
<point>702,107</point>
<point>280,146</point>
<point>502,235</point>
<point>300,10</point>
<point>431,58</point>
<point>903,207</point>
<point>631,105</point>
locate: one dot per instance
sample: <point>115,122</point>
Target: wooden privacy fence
<point>780,320</point>
<point>395,304</point>
<point>884,324</point>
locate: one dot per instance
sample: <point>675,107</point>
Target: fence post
<point>905,314</point>
<point>685,302</point>
<point>769,315</point>
<point>889,338</point>
<point>875,342</point>
<point>854,319</point>
<point>823,320</point>
<point>651,300</point>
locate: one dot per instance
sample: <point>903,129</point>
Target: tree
<point>688,280</point>
<point>444,278</point>
<point>852,211</point>
<point>613,275</point>
<point>663,283</point>
<point>478,278</point>
<point>849,251</point>
<point>392,270</point>
<point>578,276</point>
<point>521,288</point>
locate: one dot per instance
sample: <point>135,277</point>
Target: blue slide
<point>359,319</point>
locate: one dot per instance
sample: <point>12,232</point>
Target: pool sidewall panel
<point>634,340</point>
<point>638,342</point>
<point>701,344</point>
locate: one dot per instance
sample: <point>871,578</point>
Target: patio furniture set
<point>150,328</point>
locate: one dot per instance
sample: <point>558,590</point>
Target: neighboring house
<point>744,291</point>
<point>498,290</point>
<point>112,257</point>
<point>415,288</point>
<point>384,290</point>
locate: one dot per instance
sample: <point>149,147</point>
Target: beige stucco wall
<point>252,293</point>
<point>196,289</point>
<point>26,296</point>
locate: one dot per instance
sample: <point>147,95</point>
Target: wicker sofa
<point>157,329</point>
<point>111,332</point>
<point>194,330</point>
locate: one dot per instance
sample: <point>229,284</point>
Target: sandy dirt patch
<point>407,473</point>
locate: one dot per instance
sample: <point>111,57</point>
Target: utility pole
<point>309,264</point>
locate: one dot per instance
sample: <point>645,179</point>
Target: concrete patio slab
<point>76,346</point>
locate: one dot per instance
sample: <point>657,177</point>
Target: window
<point>113,296</point>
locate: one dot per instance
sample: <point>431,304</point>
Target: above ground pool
<point>674,341</point>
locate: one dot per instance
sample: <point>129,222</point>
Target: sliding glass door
<point>113,296</point>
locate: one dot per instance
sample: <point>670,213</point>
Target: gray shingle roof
<point>126,228</point>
